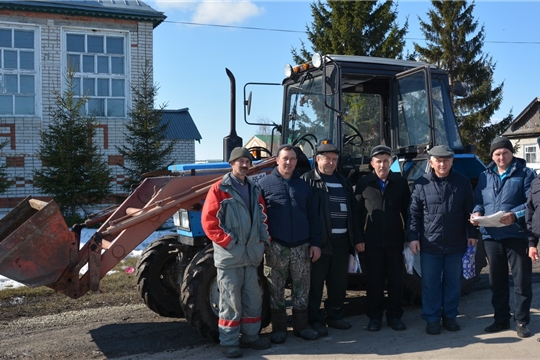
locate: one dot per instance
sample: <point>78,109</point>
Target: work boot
<point>451,324</point>
<point>301,327</point>
<point>259,344</point>
<point>498,326</point>
<point>339,324</point>
<point>279,326</point>
<point>522,330</point>
<point>320,328</point>
<point>231,351</point>
<point>433,328</point>
<point>396,324</point>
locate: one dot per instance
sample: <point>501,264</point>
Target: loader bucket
<point>35,243</point>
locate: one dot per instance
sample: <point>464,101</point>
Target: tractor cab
<point>359,102</point>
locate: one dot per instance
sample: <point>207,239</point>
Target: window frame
<point>23,73</point>
<point>99,100</point>
<point>525,153</point>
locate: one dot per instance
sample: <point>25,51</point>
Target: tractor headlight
<point>181,219</point>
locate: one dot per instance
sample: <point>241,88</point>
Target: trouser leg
<point>276,268</point>
<point>452,270</point>
<point>394,276</point>
<point>498,278</point>
<point>336,278</point>
<point>375,274</point>
<point>230,305</point>
<point>432,266</point>
<point>251,305</point>
<point>300,267</point>
<point>521,265</point>
<point>319,270</point>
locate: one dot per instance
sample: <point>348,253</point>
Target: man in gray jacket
<point>233,218</point>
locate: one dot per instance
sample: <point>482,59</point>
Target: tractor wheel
<point>157,277</point>
<point>199,295</point>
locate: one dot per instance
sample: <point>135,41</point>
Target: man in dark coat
<point>439,227</point>
<point>505,186</point>
<point>337,208</point>
<point>294,227</point>
<point>384,198</point>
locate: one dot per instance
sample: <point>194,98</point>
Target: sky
<point>253,39</point>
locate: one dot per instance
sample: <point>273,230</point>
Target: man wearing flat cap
<point>439,228</point>
<point>505,186</point>
<point>337,209</point>
<point>383,198</point>
<point>233,218</point>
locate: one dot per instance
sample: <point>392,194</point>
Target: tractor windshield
<point>414,126</point>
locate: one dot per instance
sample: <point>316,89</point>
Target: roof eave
<point>156,18</point>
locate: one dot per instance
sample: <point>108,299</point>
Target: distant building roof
<point>181,125</point>
<point>119,9</point>
<point>527,122</point>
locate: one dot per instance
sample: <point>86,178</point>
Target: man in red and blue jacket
<point>233,217</point>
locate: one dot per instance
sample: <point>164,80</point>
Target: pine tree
<point>454,44</point>
<point>367,28</point>
<point>74,171</point>
<point>146,147</point>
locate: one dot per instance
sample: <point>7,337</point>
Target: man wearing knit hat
<point>233,218</point>
<point>505,186</point>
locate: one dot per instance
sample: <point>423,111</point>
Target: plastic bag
<point>408,258</point>
<point>354,264</point>
<point>469,267</point>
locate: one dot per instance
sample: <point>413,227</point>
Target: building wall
<point>23,131</point>
<point>527,148</point>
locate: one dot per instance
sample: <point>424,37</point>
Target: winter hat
<point>441,151</point>
<point>239,152</point>
<point>324,148</point>
<point>381,149</point>
<point>500,142</point>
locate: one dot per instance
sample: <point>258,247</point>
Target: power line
<point>235,27</point>
<point>303,32</point>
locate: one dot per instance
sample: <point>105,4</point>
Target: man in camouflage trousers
<point>294,227</point>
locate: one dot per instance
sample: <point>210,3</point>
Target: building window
<point>530,153</point>
<point>17,71</point>
<point>99,64</point>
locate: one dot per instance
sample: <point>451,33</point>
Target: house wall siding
<point>23,132</point>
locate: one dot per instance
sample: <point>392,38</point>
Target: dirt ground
<point>135,332</point>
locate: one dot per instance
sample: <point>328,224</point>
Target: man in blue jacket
<point>505,186</point>
<point>295,230</point>
<point>439,227</point>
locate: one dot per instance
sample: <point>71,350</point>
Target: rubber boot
<point>279,326</point>
<point>301,327</point>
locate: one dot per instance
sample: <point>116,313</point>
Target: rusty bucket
<point>35,243</point>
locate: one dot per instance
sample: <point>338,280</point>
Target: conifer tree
<point>454,42</point>
<point>367,28</point>
<point>73,169</point>
<point>146,147</point>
